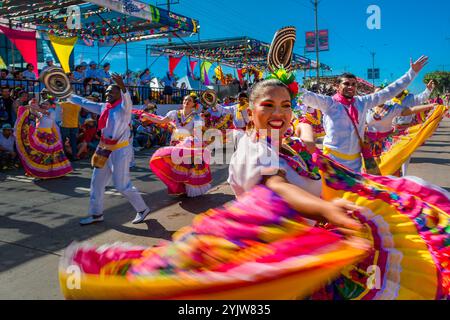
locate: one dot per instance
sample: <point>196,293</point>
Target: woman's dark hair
<point>264,84</point>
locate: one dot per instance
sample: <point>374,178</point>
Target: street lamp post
<point>373,67</point>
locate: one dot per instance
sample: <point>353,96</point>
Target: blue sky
<point>408,29</point>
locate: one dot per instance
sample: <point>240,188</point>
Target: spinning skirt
<point>40,150</point>
<point>183,168</point>
<point>252,248</point>
<point>408,220</point>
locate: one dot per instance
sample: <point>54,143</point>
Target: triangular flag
<point>173,62</point>
<point>188,70</point>
<point>205,78</point>
<point>2,63</point>
<point>63,48</point>
<point>204,68</point>
<point>193,64</point>
<point>25,42</point>
<point>241,77</point>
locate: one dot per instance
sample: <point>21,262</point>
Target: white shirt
<point>117,126</point>
<point>375,123</point>
<point>196,121</point>
<point>47,121</point>
<point>411,101</point>
<point>253,160</point>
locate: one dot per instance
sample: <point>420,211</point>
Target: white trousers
<point>117,167</point>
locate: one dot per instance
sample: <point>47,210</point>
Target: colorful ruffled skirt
<point>183,168</point>
<point>41,151</point>
<point>253,248</point>
<point>259,248</point>
<point>386,152</point>
<point>408,220</point>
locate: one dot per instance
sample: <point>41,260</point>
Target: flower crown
<point>288,78</point>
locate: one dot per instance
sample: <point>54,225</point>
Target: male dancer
<point>345,111</point>
<point>115,117</point>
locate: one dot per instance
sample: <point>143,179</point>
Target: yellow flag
<point>63,48</point>
<point>2,63</point>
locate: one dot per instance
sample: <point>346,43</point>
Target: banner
<point>204,68</point>
<point>323,40</point>
<point>311,41</point>
<point>25,42</point>
<point>173,62</point>
<point>63,48</point>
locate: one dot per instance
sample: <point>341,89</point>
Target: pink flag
<point>193,63</point>
<point>173,62</point>
<point>25,42</point>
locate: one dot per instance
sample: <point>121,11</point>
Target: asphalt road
<point>38,219</point>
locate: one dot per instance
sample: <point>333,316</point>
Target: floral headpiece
<point>288,78</point>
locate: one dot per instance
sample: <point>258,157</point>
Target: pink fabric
<point>105,114</point>
<point>433,196</point>
<point>25,42</point>
<point>350,104</point>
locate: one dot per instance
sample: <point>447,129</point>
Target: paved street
<point>39,219</point>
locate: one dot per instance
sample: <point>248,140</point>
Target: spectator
<point>145,135</point>
<point>93,72</point>
<point>22,100</point>
<point>146,77</point>
<point>83,68</point>
<point>168,83</point>
<point>49,62</point>
<point>69,126</point>
<point>78,74</point>
<point>6,108</point>
<point>8,154</point>
<point>29,73</point>
<point>88,86</point>
<point>104,75</point>
<point>88,138</point>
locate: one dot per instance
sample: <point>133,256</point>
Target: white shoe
<point>140,216</point>
<point>91,219</point>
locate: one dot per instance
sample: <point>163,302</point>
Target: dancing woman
<point>182,167</point>
<point>38,141</point>
<point>385,148</point>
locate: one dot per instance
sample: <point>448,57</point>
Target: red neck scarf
<point>105,114</point>
<point>348,103</point>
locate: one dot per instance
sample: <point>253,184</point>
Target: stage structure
<point>101,22</point>
<point>239,52</point>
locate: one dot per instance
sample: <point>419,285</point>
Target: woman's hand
<point>337,214</point>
